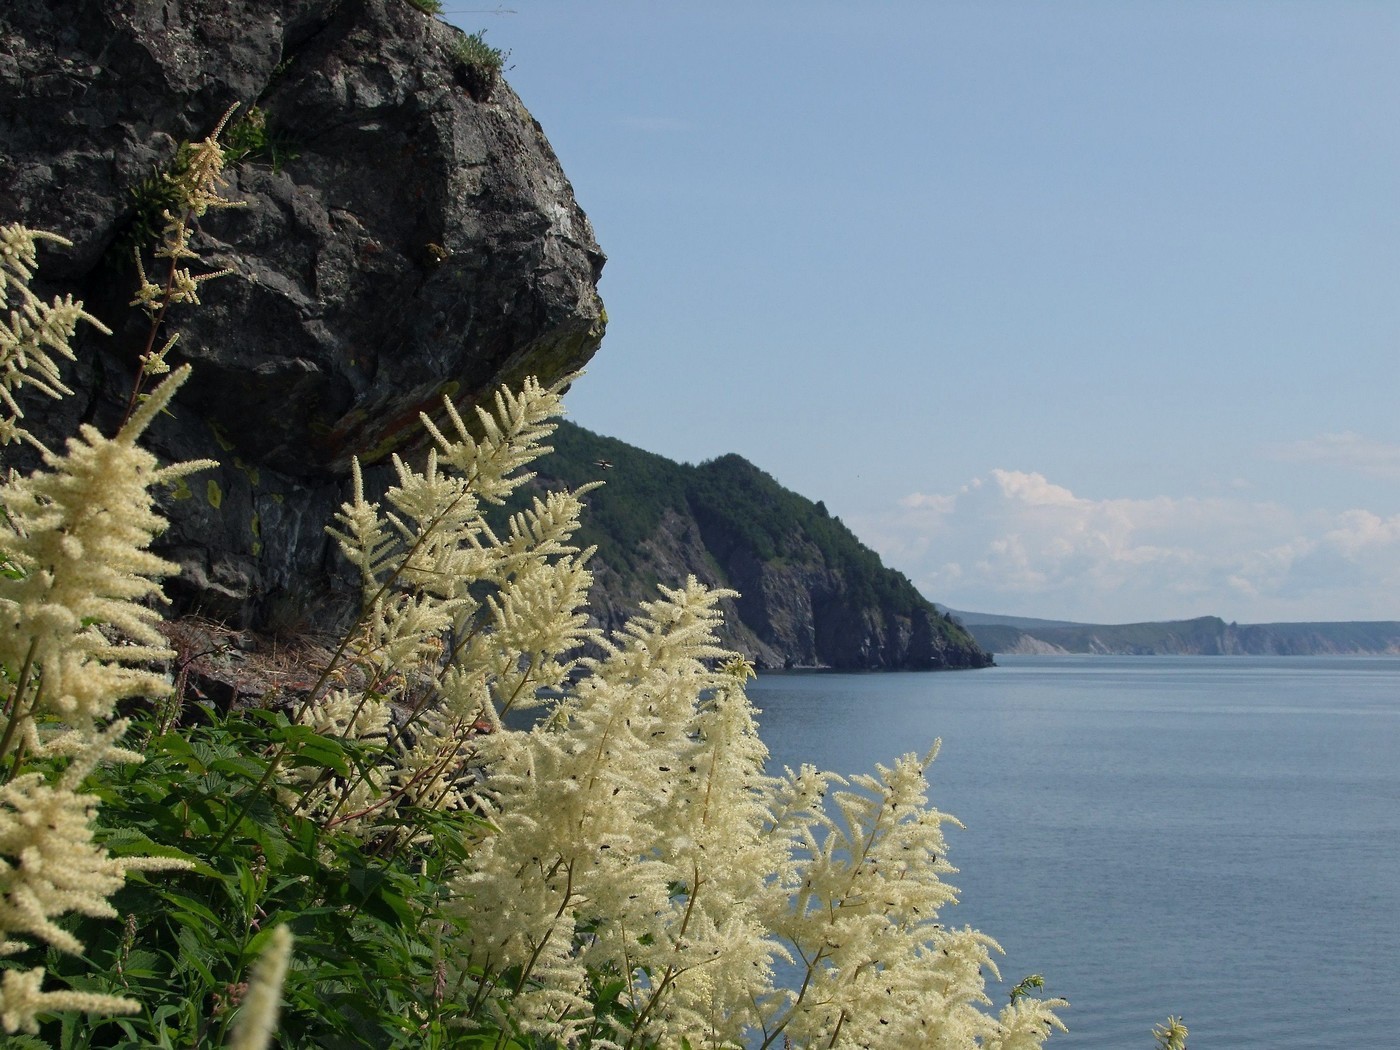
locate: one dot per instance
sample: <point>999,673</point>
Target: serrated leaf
<point>323,752</point>
<point>269,839</point>
<point>193,908</point>
<point>178,748</point>
<point>191,952</point>
<point>241,767</point>
<point>276,719</point>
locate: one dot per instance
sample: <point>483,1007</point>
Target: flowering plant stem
<point>16,714</point>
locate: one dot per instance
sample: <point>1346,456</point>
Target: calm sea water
<point>1217,838</point>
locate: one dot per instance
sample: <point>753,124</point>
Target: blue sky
<point>1084,310</point>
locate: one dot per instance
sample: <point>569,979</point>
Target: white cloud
<point>1015,542</point>
<point>933,505</point>
<point>1033,489</point>
<point>1348,451</point>
<point>1359,532</point>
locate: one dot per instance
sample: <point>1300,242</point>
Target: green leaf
<point>322,752</point>
<point>247,885</point>
<point>239,767</point>
<point>191,951</point>
<point>140,963</point>
<point>268,838</point>
<point>180,749</point>
<point>276,719</point>
<point>193,909</point>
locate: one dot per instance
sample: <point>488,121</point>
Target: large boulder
<point>405,232</point>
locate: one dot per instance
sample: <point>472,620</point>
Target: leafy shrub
<point>250,139</point>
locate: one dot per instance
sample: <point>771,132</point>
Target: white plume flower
<point>629,840</point>
<point>257,1017</point>
<point>513,436</point>
<point>31,332</point>
<point>79,533</point>
<point>77,636</point>
<point>22,1000</point>
<point>459,625</point>
<point>866,895</point>
<point>49,864</point>
<point>632,840</point>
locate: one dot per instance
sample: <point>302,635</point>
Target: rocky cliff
<point>810,593</point>
<point>406,232</point>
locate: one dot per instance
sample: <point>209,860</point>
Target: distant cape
<point>1203,636</point>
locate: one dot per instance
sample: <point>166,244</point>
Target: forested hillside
<point>811,594</point>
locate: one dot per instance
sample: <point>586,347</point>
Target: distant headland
<point>1203,636</point>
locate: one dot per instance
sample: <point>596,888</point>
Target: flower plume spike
<point>23,1000</point>
<point>513,436</point>
<point>1172,1035</point>
<point>257,1019</point>
<point>33,334</point>
<point>195,187</point>
<point>80,533</point>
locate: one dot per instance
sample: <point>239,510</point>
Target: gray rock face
<point>792,612</point>
<point>410,235</point>
<point>801,612</point>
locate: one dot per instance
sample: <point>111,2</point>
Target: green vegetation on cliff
<point>812,593</point>
<point>749,503</point>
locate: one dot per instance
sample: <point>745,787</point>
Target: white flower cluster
<point>49,864</point>
<point>877,967</point>
<point>459,624</point>
<point>635,839</point>
<point>76,543</point>
<point>639,875</point>
<point>33,331</point>
<point>75,639</point>
<point>625,830</point>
